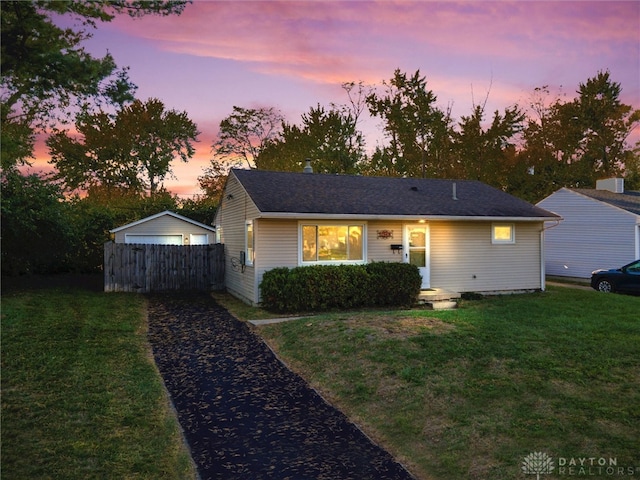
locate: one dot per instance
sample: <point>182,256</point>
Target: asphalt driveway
<point>244,414</point>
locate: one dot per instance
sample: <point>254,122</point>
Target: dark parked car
<point>623,279</point>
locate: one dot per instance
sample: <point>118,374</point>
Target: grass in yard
<point>81,397</point>
<point>240,309</point>
<point>469,393</point>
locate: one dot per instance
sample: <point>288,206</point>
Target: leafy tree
<point>213,179</point>
<point>90,222</point>
<point>574,143</point>
<point>201,208</point>
<point>45,70</point>
<point>605,124</point>
<point>336,145</point>
<point>288,152</point>
<point>128,205</point>
<point>632,169</point>
<point>133,150</point>
<point>17,142</point>
<point>244,134</point>
<point>36,233</point>
<point>483,153</point>
<point>413,125</point>
<point>543,163</point>
<point>92,216</point>
<point>155,137</point>
<point>96,157</point>
<point>330,138</point>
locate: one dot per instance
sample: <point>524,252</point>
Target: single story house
<point>464,236</point>
<point>601,229</point>
<point>165,228</point>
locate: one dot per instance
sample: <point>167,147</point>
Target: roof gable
<point>629,201</point>
<point>303,193</point>
<point>161,214</point>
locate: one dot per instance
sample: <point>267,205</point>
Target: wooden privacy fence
<point>156,268</point>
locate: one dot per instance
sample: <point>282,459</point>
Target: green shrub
<point>275,289</point>
<point>394,284</point>
<point>328,287</point>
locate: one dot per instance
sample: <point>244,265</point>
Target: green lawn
<point>469,393</point>
<point>81,397</point>
<point>458,394</point>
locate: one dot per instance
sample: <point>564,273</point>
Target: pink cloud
<point>329,41</point>
<point>295,54</point>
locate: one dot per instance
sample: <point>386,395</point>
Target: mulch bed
<point>244,414</point>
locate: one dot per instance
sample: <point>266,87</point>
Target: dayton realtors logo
<point>539,463</point>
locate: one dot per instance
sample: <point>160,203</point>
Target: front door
<point>416,250</point>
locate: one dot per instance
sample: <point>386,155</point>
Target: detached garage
<point>165,228</point>
<point>163,252</point>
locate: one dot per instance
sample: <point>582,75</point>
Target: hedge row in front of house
<point>330,287</point>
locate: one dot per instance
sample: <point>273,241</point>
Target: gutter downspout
<point>638,240</point>
<point>543,256</point>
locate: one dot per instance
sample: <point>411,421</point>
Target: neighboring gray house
<point>600,229</point>
<point>165,228</point>
<point>464,236</point>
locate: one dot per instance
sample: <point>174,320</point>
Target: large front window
<point>332,243</point>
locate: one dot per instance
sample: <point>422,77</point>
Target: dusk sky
<point>293,55</point>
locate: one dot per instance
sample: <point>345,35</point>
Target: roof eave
<point>605,202</point>
<point>414,218</point>
<point>161,214</point>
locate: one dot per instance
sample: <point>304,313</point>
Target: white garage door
<point>199,239</point>
<point>154,239</point>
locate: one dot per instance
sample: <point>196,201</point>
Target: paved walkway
<point>269,321</point>
<point>244,414</point>
<point>569,285</point>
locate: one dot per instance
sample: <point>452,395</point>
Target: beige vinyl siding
<point>379,249</point>
<point>461,251</point>
<point>592,235</point>
<point>235,209</point>
<point>164,225</point>
<point>276,246</point>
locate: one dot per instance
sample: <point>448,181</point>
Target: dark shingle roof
<point>629,201</point>
<point>304,193</point>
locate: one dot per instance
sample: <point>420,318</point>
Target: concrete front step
<point>442,305</point>
<point>438,298</point>
<point>436,294</point>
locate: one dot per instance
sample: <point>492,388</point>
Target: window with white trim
<point>332,243</point>
<point>249,242</point>
<point>503,233</point>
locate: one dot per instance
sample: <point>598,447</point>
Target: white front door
<point>416,250</point>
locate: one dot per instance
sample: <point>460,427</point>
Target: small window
<point>502,233</point>
<point>249,242</point>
